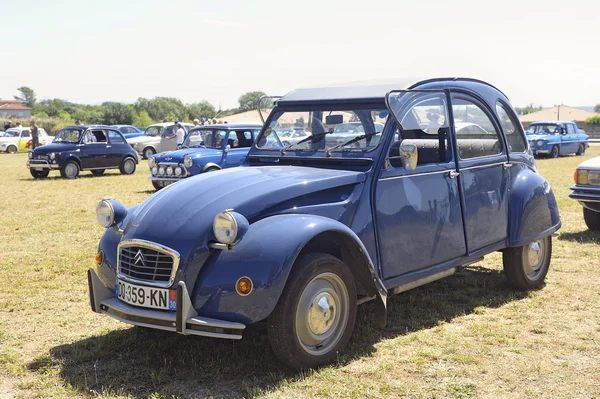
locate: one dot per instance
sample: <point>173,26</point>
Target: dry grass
<point>465,336</point>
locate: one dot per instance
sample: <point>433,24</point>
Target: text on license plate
<point>148,297</point>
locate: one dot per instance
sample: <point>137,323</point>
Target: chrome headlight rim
<point>540,143</point>
<point>169,171</point>
<point>230,234</point>
<point>187,162</point>
<point>178,171</point>
<point>154,170</point>
<point>161,171</point>
<point>30,155</point>
<point>108,222</point>
<point>52,155</point>
<point>151,162</point>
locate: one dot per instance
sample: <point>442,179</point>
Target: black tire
<point>555,152</point>
<point>39,174</point>
<point>148,152</point>
<point>581,149</point>
<point>98,172</point>
<point>70,170</point>
<point>212,169</point>
<point>592,219</point>
<point>526,267</point>
<point>157,185</point>
<point>320,277</point>
<point>127,166</point>
<point>12,149</point>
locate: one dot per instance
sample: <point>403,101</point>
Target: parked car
<point>290,136</point>
<point>15,139</point>
<point>298,237</point>
<point>206,149</point>
<point>77,148</point>
<point>156,138</point>
<point>129,131</point>
<point>556,138</point>
<point>587,191</point>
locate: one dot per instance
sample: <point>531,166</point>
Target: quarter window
<point>115,138</point>
<point>25,133</point>
<point>514,137</point>
<point>476,135</point>
<point>570,129</point>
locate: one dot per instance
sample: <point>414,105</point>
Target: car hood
<point>176,156</point>
<point>181,215</point>
<point>8,139</point>
<point>593,163</point>
<point>54,147</point>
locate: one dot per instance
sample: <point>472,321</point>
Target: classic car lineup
<point>129,131</point>
<point>556,138</point>
<point>205,149</point>
<point>77,148</point>
<point>15,139</point>
<point>157,138</point>
<point>437,174</point>
<point>587,191</point>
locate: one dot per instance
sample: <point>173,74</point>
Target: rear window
<point>510,127</point>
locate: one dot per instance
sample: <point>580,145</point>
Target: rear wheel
<point>526,267</point>
<point>98,172</point>
<point>70,170</point>
<point>555,153</point>
<point>39,174</point>
<point>148,152</point>
<point>581,150</point>
<point>12,149</point>
<point>592,219</point>
<point>315,315</point>
<point>127,166</point>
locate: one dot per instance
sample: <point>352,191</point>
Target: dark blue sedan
<point>129,131</point>
<point>77,148</point>
<point>206,149</point>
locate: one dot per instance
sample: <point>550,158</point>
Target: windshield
<point>206,138</point>
<point>324,130</point>
<point>12,133</point>
<point>153,131</point>
<point>542,128</point>
<point>67,136</point>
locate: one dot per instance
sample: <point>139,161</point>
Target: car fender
<point>533,208</point>
<point>266,254</point>
<point>210,165</point>
<point>129,155</point>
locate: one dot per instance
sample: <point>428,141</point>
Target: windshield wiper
<point>351,141</point>
<point>304,140</point>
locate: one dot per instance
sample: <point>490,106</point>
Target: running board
<point>423,281</point>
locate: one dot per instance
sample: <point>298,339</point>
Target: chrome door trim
<point>416,174</point>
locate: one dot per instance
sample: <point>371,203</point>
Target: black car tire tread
<point>157,185</point>
<point>122,166</point>
<point>39,174</point>
<point>555,154</point>
<point>280,324</point>
<point>98,172</point>
<point>512,260</point>
<point>581,150</point>
<point>592,219</point>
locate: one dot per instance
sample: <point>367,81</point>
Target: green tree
<point>249,100</point>
<point>201,109</point>
<point>597,108</point>
<point>142,119</point>
<point>528,109</point>
<point>159,108</point>
<point>40,115</point>
<point>27,96</point>
<point>64,115</point>
<point>116,113</point>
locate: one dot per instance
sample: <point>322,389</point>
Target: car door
<point>168,141</point>
<point>569,138</point>
<point>94,150</point>
<point>418,212</point>
<point>25,137</point>
<point>239,142</point>
<point>483,167</point>
<point>117,146</point>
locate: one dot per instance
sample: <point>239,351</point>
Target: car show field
<point>469,335</point>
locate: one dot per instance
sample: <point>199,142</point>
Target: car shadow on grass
<point>581,237</point>
<point>138,362</point>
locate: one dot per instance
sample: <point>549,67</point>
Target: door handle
<point>453,174</point>
<point>507,166</point>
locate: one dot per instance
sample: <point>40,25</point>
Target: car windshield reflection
<point>67,136</point>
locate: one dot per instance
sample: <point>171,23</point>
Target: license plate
<point>39,169</point>
<point>148,297</point>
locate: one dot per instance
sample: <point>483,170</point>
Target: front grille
<point>146,262</point>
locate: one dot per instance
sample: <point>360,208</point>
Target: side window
<point>115,138</point>
<point>476,135</point>
<point>514,137</point>
<point>570,128</point>
<point>243,140</point>
<point>25,133</point>
<point>169,131</point>
<point>96,136</point>
<point>425,125</point>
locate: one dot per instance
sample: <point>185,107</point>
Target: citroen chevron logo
<point>139,258</point>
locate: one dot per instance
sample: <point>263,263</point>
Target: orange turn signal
<point>100,257</point>
<point>575,176</point>
<point>243,286</point>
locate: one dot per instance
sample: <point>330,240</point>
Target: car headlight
<point>30,155</point>
<point>178,171</point>
<point>187,161</point>
<point>229,227</point>
<point>110,212</point>
<point>540,142</point>
<point>161,171</point>
<point>151,162</point>
<point>170,171</point>
<point>52,155</point>
<point>584,176</point>
<point>154,170</point>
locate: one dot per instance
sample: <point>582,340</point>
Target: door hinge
<point>507,166</point>
<point>453,174</point>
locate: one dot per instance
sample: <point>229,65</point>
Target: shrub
<point>593,120</point>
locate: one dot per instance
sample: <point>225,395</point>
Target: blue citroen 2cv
<point>303,233</point>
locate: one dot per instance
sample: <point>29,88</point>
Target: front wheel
<point>158,185</point>
<point>70,170</point>
<point>12,149</point>
<point>39,174</point>
<point>581,150</point>
<point>315,315</point>
<point>555,153</point>
<point>98,172</point>
<point>592,219</point>
<point>148,152</point>
<point>526,267</point>
<point>127,166</point>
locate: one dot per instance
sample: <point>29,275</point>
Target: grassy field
<point>465,336</point>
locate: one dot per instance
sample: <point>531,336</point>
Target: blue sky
<point>545,52</point>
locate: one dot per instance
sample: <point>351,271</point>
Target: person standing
<point>35,142</point>
<point>179,134</point>
<point>196,122</point>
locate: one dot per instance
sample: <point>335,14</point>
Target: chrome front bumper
<point>184,320</point>
<point>169,179</point>
<point>41,164</point>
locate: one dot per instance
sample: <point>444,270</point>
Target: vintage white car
<point>587,191</point>
<point>15,139</point>
<point>157,138</point>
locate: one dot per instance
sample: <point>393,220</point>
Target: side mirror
<point>227,148</point>
<point>409,156</point>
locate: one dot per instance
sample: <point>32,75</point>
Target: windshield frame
<point>357,153</point>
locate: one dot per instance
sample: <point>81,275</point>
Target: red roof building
<point>14,109</point>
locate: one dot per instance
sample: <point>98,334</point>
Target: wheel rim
<point>555,151</point>
<point>71,170</point>
<point>149,153</point>
<point>128,166</point>
<point>12,149</point>
<point>534,258</point>
<point>322,314</point>
<point>581,149</point>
